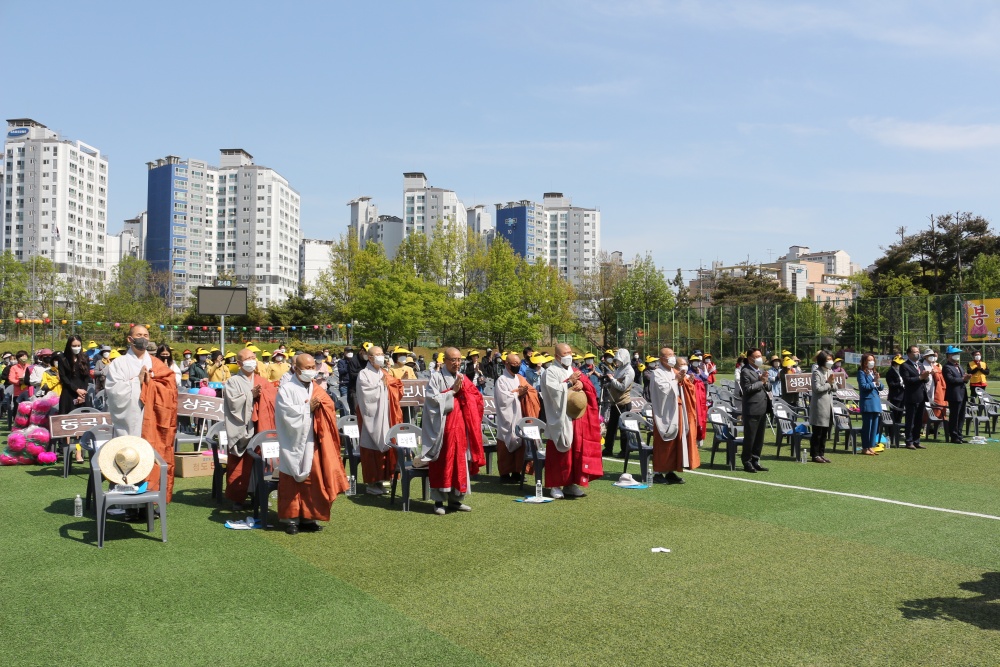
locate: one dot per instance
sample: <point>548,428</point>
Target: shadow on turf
<point>982,610</point>
<point>85,530</point>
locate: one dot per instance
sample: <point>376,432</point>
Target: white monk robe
<point>237,394</point>
<point>373,406</point>
<point>294,422</point>
<point>508,409</point>
<point>555,391</point>
<point>123,389</point>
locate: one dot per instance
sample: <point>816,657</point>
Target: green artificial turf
<point>757,575</point>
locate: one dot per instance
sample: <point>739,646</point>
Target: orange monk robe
<point>159,421</point>
<point>240,468</point>
<point>510,463</point>
<point>682,451</point>
<point>311,498</point>
<point>379,466</point>
<point>939,390</point>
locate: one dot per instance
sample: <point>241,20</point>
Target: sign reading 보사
<point>70,426</point>
<point>199,407</point>
<point>413,393</point>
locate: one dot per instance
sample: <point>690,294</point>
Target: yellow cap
<point>539,358</point>
<point>366,346</point>
<point>253,348</point>
<point>577,357</point>
<point>590,355</point>
<point>401,350</point>
<point>114,354</point>
<point>473,352</point>
<point>788,363</point>
<point>650,359</point>
<point>201,351</point>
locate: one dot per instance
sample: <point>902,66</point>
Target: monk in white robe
<point>452,435</point>
<point>673,399</point>
<point>142,399</point>
<point>248,403</point>
<point>310,473</point>
<point>573,454</point>
<point>514,399</point>
<point>378,394</point>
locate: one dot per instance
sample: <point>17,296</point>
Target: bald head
<point>665,354</point>
<point>245,354</point>
<point>304,362</point>
<point>514,359</point>
<point>452,359</point>
<point>563,349</point>
<point>138,339</point>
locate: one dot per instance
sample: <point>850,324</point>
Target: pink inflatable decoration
<point>38,418</point>
<point>25,460</point>
<point>47,458</point>
<point>21,421</point>
<point>39,435</point>
<point>24,407</point>
<point>33,450</point>
<point>16,441</point>
<point>8,460</point>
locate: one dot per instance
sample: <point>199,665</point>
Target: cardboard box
<point>193,464</point>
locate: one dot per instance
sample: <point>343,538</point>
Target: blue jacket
<point>869,389</point>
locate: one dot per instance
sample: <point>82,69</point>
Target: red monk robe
<point>379,466</point>
<point>463,434</point>
<point>239,468</point>
<point>669,456</point>
<point>701,396</point>
<point>311,498</point>
<point>582,462</point>
<point>159,421</point>
<point>510,463</point>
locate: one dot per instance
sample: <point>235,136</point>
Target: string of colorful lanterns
<point>187,327</point>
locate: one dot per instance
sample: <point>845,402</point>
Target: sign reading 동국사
<point>981,320</point>
<point>70,426</point>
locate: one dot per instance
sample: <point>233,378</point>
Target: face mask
<point>956,357</point>
<point>278,360</point>
<point>682,369</point>
<point>165,360</point>
<point>307,375</point>
<point>378,360</point>
<point>829,364</point>
<point>976,357</point>
<point>105,355</point>
<point>758,361</point>
<point>202,359</point>
<point>140,343</point>
<point>589,362</point>
<point>671,361</point>
<point>695,364</point>
<point>23,362</point>
<point>635,356</point>
<point>76,350</point>
<point>566,361</point>
<point>349,355</point>
<point>249,366</point>
<point>513,369</point>
<point>932,360</point>
<point>871,364</point>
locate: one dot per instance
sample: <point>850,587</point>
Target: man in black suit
<point>955,392</point>
<point>914,396</point>
<point>755,390</point>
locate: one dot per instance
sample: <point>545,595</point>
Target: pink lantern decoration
<point>25,460</point>
<point>256,328</point>
<point>16,441</point>
<point>47,458</point>
<point>21,421</point>
<point>33,450</point>
<point>24,408</point>
<point>118,325</point>
<point>37,418</point>
<point>39,435</point>
<point>190,328</point>
<point>8,460</point>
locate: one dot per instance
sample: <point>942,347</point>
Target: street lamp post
<point>21,317</point>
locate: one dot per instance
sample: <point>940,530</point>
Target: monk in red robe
<point>672,396</point>
<point>452,434</point>
<point>310,471</point>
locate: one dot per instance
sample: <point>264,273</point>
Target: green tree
<point>596,295</point>
<point>644,288</point>
<point>495,310</point>
<point>984,275</point>
<point>748,286</point>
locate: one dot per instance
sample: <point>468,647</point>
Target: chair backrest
<point>531,444</point>
<point>723,422</point>
<point>266,441</point>
<point>929,411</point>
<point>633,421</point>
<point>82,411</point>
<point>213,435</point>
<point>92,439</point>
<point>403,454</point>
<point>99,399</point>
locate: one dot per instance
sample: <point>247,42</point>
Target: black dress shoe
<point>917,445</point>
<point>310,527</point>
<point>673,478</point>
<point>759,468</point>
<point>607,452</point>
<point>749,468</point>
<point>911,446</point>
<point>292,529</point>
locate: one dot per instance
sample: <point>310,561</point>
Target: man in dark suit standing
<point>914,396</point>
<point>955,392</point>
<point>756,393</point>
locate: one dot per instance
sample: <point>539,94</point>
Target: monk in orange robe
<point>514,399</point>
<point>673,398</point>
<point>159,420</point>
<point>378,395</point>
<point>249,409</point>
<point>310,471</point>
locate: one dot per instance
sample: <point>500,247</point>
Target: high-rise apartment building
<point>314,257</point>
<point>525,227</point>
<point>236,219</point>
<point>55,202</point>
<point>424,206</point>
<point>367,226</point>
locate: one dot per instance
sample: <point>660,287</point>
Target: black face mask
<point>514,369</point>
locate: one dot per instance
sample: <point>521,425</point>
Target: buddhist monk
<point>310,474</point>
<point>573,454</point>
<point>378,394</point>
<point>515,399</point>
<point>249,409</point>
<point>673,398</point>
<point>452,435</point>
<point>142,399</point>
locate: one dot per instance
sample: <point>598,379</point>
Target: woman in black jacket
<point>74,376</point>
<point>896,388</point>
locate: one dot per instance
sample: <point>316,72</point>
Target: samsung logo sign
<point>19,132</point>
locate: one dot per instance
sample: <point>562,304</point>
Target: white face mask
<point>871,364</point>
<point>307,375</point>
<point>695,364</point>
<point>249,366</point>
<point>931,360</point>
<point>671,361</point>
<point>105,354</point>
<point>976,357</point>
<point>349,355</point>
<point>956,357</point>
<point>378,360</point>
<point>566,361</point>
<point>829,364</point>
<point>758,361</point>
<point>187,356</point>
<point>76,350</point>
<point>682,369</point>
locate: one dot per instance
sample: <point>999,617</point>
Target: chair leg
<point>163,522</point>
<point>392,486</point>
<point>406,492</point>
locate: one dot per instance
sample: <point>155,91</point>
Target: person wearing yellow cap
<point>218,371</point>
<point>264,365</point>
<point>787,368</point>
<point>894,381</point>
<point>473,371</point>
<point>279,367</point>
<point>710,368</point>
<point>589,370</point>
<point>354,366</point>
<point>399,369</point>
<point>198,371</point>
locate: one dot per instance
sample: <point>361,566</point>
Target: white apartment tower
<point>314,257</point>
<point>237,219</point>
<point>574,236</point>
<point>424,206</point>
<point>55,202</point>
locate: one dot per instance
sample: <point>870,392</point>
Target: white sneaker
<point>375,489</point>
<point>556,493</point>
<point>574,490</point>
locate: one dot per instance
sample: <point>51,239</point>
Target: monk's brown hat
<point>576,404</point>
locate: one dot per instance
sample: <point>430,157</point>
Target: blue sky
<point>703,130</point>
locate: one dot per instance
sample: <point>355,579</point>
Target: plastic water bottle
<point>353,488</point>
<point>649,471</point>
<point>803,455</point>
<point>538,489</point>
<point>77,506</point>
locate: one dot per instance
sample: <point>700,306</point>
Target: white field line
<point>833,493</point>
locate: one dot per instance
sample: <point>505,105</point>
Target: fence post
<point>795,327</point>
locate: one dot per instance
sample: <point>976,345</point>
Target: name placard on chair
<point>269,449</point>
<point>630,425</point>
<point>352,431</point>
<point>531,433</point>
<point>408,440</point>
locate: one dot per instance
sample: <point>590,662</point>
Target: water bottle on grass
<point>77,506</point>
<point>538,489</point>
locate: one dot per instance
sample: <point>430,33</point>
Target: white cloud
<point>929,136</point>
